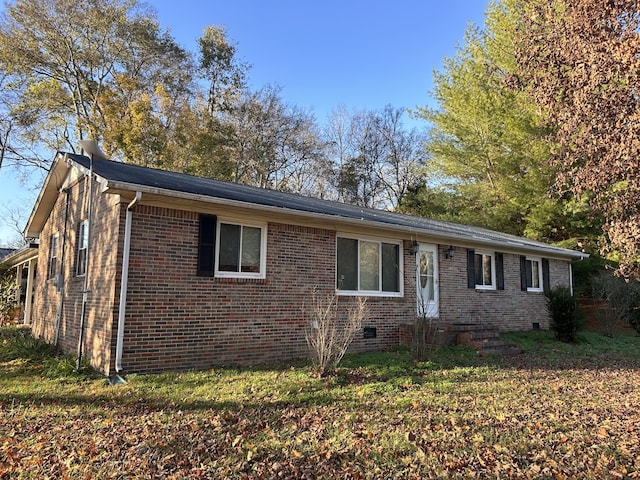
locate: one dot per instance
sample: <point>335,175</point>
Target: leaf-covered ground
<point>556,411</point>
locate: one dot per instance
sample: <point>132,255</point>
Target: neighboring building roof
<point>117,176</point>
<point>5,251</point>
<point>16,257</point>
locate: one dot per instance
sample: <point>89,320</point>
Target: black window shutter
<point>523,273</point>
<point>207,245</point>
<point>499,271</point>
<point>546,282</point>
<point>471,268</point>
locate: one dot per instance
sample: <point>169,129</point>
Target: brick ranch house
<point>143,270</point>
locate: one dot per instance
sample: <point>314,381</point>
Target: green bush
<point>565,313</point>
<point>621,294</point>
<point>18,343</point>
<point>8,290</point>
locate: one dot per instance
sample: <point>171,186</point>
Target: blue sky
<point>324,54</point>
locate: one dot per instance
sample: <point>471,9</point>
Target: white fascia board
<point>460,240</point>
<point>47,197</point>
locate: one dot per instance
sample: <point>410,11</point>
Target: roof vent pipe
<point>91,148</point>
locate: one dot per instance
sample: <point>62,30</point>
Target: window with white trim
<point>228,249</point>
<point>368,266</point>
<point>83,239</point>
<point>53,255</point>
<point>485,270</point>
<point>533,272</point>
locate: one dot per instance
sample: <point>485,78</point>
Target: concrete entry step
<point>485,339</point>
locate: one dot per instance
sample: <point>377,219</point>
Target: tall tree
<point>273,145</point>
<point>488,141</point>
<point>359,179</point>
<point>220,67</point>
<point>85,66</point>
<point>376,159</point>
<point>404,162</point>
<point>580,62</point>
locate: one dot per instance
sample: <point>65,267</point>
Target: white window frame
<point>53,256</point>
<point>372,293</point>
<point>540,288</point>
<point>263,250</point>
<point>492,256</point>
<point>83,238</point>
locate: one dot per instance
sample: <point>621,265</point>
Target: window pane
<point>53,257</point>
<point>478,269</point>
<point>426,277</point>
<point>529,274</point>
<point>251,240</point>
<point>83,235</point>
<point>369,265</point>
<point>390,267</point>
<point>82,263</point>
<point>535,274</point>
<point>486,268</point>
<point>347,264</point>
<point>229,248</point>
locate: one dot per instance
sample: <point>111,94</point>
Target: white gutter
<point>122,309</point>
<point>449,237</point>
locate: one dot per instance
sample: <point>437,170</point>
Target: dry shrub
<point>328,335</point>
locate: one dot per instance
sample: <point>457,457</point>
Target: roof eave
<point>556,252</point>
<point>47,197</point>
<point>21,256</point>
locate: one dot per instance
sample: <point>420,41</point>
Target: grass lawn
<point>555,411</point>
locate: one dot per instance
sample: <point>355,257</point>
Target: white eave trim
<point>58,174</point>
<point>21,256</point>
<point>461,240</point>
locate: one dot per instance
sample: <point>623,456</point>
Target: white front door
<point>427,280</point>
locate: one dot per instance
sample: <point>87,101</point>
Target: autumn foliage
<point>556,411</point>
<point>580,62</point>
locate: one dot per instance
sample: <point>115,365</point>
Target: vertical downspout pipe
<point>122,309</point>
<point>571,278</point>
<point>61,278</point>
<point>85,290</point>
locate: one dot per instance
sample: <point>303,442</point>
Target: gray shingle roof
<point>6,251</point>
<point>138,178</point>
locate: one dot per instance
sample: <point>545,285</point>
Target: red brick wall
<point>102,274</point>
<point>176,319</point>
<point>510,309</point>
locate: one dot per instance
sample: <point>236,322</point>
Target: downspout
<point>61,277</point>
<point>85,290</point>
<point>122,309</point>
<point>571,278</point>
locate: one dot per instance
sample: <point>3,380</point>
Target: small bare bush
<point>425,331</point>
<point>424,338</point>
<point>329,336</point>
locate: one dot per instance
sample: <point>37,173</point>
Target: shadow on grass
<point>36,375</point>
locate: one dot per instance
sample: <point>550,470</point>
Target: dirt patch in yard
<point>598,317</point>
